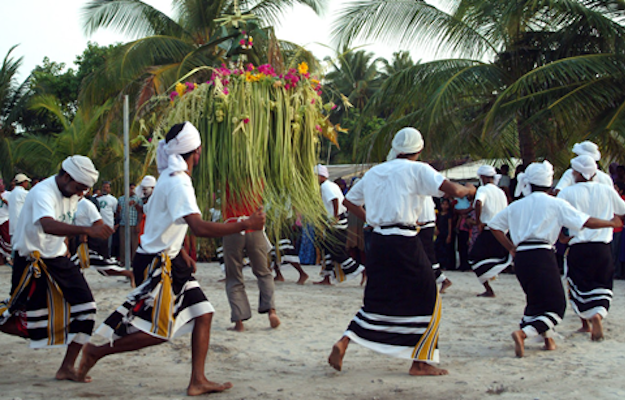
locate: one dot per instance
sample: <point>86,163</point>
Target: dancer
<point>169,301</point>
<point>589,265</point>
<point>93,253</point>
<point>402,307</point>
<point>335,238</point>
<point>534,223</point>
<point>427,226</point>
<point>5,237</point>
<point>286,253</point>
<point>488,257</point>
<point>45,284</point>
<point>589,149</point>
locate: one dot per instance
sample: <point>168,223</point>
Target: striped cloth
<point>86,258</point>
<point>426,235</point>
<point>589,273</point>
<point>52,300</point>
<point>402,308</point>
<point>165,303</point>
<point>488,258</point>
<point>337,264</point>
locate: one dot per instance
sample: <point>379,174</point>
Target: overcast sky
<point>54,29</point>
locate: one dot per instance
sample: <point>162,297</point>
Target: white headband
<point>168,154</point>
<point>539,174</point>
<point>587,148</point>
<point>585,165</point>
<point>406,141</point>
<point>322,170</point>
<point>81,169</point>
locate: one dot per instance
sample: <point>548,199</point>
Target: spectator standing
<point>108,206</point>
<point>134,203</point>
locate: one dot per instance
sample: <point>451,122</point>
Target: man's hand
<point>189,261</point>
<point>256,221</point>
<point>101,231</point>
<point>471,187</point>
<point>617,222</point>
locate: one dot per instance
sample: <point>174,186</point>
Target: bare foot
<point>338,352</point>
<point>278,278</point>
<point>238,327</point>
<point>325,281</point>
<point>87,361</point>
<point>70,374</point>
<point>519,342</point>
<point>302,278</point>
<point>274,321</point>
<point>221,280</point>
<point>486,294</point>
<point>446,283</point>
<point>550,344</point>
<point>597,328</point>
<point>420,368</point>
<point>585,326</point>
<point>196,389</point>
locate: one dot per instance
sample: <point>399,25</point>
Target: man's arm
<point>57,228</point>
<point>455,190</point>
<point>335,205</point>
<point>202,228</point>
<point>478,215</point>
<point>505,242</point>
<point>596,223</point>
<point>358,211</point>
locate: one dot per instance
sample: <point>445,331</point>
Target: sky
<point>54,29</point>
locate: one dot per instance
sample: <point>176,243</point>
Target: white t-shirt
<point>329,192</point>
<point>596,200</point>
<point>393,193</point>
<point>493,200</point>
<point>16,202</point>
<point>427,217</point>
<point>87,213</point>
<point>165,228</point>
<point>43,200</point>
<point>537,217</point>
<point>108,206</point>
<point>4,208</point>
<point>567,179</point>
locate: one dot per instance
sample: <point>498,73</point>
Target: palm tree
<point>13,99</point>
<point>555,75</point>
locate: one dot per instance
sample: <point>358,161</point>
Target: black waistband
<point>534,242</point>
<point>400,226</point>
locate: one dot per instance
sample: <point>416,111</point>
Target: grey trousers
<point>255,245</point>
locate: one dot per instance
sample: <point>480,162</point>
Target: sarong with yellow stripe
<point>164,305</point>
<point>53,298</point>
<point>402,307</point>
<point>89,258</point>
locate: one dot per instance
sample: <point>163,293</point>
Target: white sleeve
<point>500,221</point>
<point>566,180</point>
<point>571,217</point>
<point>181,201</point>
<point>618,202</point>
<point>356,194</point>
<point>428,179</point>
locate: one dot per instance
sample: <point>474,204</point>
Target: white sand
<point>291,361</point>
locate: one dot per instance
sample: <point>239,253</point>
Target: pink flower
<point>334,106</point>
<point>226,91</point>
<point>149,140</point>
<point>246,121</point>
<point>250,67</point>
<point>312,101</point>
<point>190,86</point>
<point>243,33</point>
<point>173,95</point>
<point>317,127</point>
<point>242,42</point>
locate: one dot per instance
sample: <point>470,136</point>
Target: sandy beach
<point>291,361</point>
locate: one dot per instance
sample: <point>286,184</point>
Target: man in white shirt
<point>534,223</point>
<point>590,269</point>
<point>45,284</point>
<point>5,237</point>
<point>108,207</point>
<point>488,257</point>
<point>169,301</point>
<point>17,199</point>
<point>586,148</point>
<point>335,239</point>
<point>402,307</point>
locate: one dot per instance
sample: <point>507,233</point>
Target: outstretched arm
<point>358,211</point>
<point>57,228</point>
<point>456,190</point>
<point>202,228</point>
<point>596,223</point>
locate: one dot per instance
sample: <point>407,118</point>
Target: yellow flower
<point>303,68</point>
<point>180,88</point>
<point>314,82</point>
<point>249,77</point>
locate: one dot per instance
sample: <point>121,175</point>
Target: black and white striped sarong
<point>426,234</point>
<point>286,253</point>
<point>89,258</point>
<point>537,271</point>
<point>590,274</point>
<point>488,257</point>
<point>52,301</point>
<point>337,264</point>
<point>165,303</point>
<point>402,307</point>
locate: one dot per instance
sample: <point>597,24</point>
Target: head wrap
<point>169,154</point>
<point>587,148</point>
<point>81,169</point>
<point>148,182</point>
<point>585,165</point>
<point>490,171</point>
<point>406,141</point>
<point>20,178</point>
<point>322,170</point>
<point>539,174</point>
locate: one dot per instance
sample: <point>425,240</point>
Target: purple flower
<point>173,95</point>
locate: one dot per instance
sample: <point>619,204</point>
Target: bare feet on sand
<point>198,388</point>
<point>420,368</point>
<point>302,278</point>
<point>446,284</point>
<point>274,321</point>
<point>337,353</point>
<point>70,374</point>
<point>519,342</point>
<point>325,281</point>
<point>278,278</point>
<point>597,328</point>
<point>585,326</point>
<point>238,327</point>
<point>550,344</point>
<point>487,293</point>
<point>87,361</point>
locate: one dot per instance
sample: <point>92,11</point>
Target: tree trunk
<point>527,146</point>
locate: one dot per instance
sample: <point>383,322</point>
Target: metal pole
<point>127,183</point>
